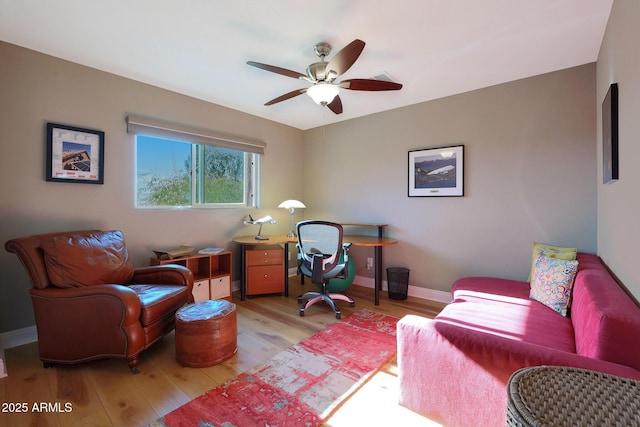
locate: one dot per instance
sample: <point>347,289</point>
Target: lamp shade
<point>323,93</point>
<point>291,203</point>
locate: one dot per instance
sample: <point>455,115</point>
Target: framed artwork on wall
<point>610,159</point>
<point>74,154</point>
<point>436,172</point>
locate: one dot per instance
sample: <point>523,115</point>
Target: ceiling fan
<point>322,75</point>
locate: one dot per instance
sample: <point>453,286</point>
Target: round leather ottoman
<point>206,333</point>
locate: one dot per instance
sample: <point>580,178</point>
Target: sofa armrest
<point>458,376</point>
<point>85,323</point>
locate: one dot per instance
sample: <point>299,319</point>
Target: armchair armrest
<point>168,274</point>
<point>76,324</point>
<point>121,294</point>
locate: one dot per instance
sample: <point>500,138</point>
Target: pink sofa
<point>454,369</point>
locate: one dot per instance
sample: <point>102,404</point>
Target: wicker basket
<point>564,396</point>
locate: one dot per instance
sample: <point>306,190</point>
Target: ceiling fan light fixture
<point>323,93</point>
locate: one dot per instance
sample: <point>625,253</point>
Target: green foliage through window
<point>221,176</point>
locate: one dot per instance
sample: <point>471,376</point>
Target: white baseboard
<point>18,337</point>
<point>14,339</point>
<point>412,291</point>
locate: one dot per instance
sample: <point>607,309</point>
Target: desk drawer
<point>266,279</point>
<point>264,257</point>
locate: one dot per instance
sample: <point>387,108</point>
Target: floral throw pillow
<point>553,251</point>
<point>552,282</point>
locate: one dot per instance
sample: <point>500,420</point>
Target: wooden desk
<point>356,240</point>
<point>380,227</point>
<point>246,241</point>
<point>377,243</point>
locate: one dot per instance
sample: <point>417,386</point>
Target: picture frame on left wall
<point>610,161</point>
<point>74,154</point>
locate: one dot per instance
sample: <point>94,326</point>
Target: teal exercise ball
<point>339,285</point>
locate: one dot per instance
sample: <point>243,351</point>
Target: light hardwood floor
<point>106,393</point>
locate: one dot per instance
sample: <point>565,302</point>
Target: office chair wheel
<point>338,316</point>
<point>300,300</point>
<point>352,304</point>
<point>301,313</point>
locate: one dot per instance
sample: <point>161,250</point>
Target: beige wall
<point>618,203</point>
<point>36,88</point>
<point>529,172</point>
<point>530,175</point>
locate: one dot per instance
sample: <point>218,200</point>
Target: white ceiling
<point>199,48</point>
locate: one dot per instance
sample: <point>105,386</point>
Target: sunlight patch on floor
<point>376,404</point>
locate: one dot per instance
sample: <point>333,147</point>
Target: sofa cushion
<point>514,317</point>
<point>552,282</point>
<point>491,288</point>
<point>87,259</point>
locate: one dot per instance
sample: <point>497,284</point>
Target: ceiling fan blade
<point>336,105</point>
<point>286,96</point>
<point>344,59</point>
<point>369,84</point>
<point>278,70</point>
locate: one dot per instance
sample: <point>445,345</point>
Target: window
<point>163,172</point>
<point>174,168</point>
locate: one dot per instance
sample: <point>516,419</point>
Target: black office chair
<point>322,256</point>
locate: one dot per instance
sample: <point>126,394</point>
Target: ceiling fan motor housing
<point>318,72</point>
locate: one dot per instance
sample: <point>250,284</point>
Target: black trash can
<point>398,281</point>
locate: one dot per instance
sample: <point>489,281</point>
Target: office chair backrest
<point>320,237</point>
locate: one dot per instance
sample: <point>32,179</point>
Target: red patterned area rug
<point>300,386</point>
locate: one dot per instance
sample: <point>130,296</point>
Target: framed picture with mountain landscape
<point>436,172</point>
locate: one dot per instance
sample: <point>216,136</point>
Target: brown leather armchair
<point>90,302</point>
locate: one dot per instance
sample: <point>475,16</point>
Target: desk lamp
<point>291,205</point>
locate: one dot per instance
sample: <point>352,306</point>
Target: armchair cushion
<point>158,300</point>
<point>87,259</point>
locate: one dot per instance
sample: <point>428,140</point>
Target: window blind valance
<point>153,127</point>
